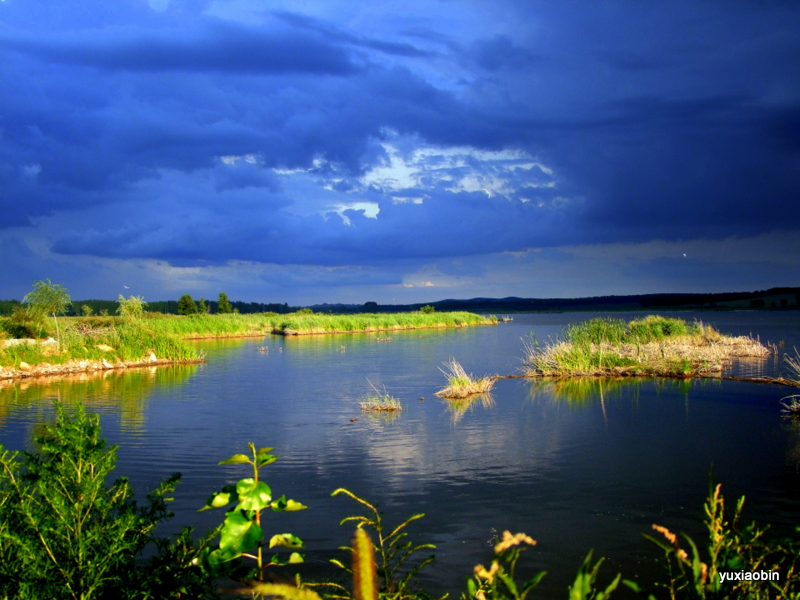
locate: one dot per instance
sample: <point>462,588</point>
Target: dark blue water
<point>576,465</point>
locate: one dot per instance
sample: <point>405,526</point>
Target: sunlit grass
<point>303,324</point>
<point>652,346</point>
<point>460,384</point>
<point>380,401</point>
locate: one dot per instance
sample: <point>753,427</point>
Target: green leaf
<point>220,556</point>
<point>282,504</point>
<point>253,495</point>
<point>220,499</point>
<point>239,533</point>
<point>236,459</point>
<point>295,558</point>
<point>285,540</point>
<point>265,459</point>
<point>264,450</point>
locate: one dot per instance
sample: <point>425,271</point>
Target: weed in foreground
<point>395,571</point>
<point>241,532</point>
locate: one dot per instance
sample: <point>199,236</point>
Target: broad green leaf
<point>220,499</point>
<point>293,505</point>
<point>253,495</point>
<point>295,558</point>
<point>265,459</point>
<point>236,459</point>
<point>239,533</point>
<point>285,540</point>
<point>264,450</point>
<point>220,556</point>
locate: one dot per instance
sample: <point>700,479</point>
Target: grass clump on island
<point>381,402</point>
<point>461,384</point>
<point>651,347</point>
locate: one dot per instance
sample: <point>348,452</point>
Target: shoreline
<point>294,332</point>
<point>77,367</point>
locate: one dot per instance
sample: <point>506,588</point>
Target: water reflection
<point>459,407</point>
<point>124,392</point>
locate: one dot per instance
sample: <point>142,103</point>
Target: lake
<point>576,465</point>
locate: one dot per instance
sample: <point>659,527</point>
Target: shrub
<point>64,533</point>
<point>131,308</point>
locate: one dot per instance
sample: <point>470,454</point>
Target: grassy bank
<point>300,324</point>
<point>653,346</point>
<point>99,339</point>
<point>232,325</point>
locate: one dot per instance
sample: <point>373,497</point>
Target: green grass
<point>380,401</point>
<point>368,322</point>
<point>653,346</point>
<point>130,341</point>
<point>461,384</point>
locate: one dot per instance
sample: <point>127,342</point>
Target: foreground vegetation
<point>66,532</point>
<point>651,346</point>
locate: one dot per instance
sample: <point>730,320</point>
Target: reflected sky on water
<point>575,464</point>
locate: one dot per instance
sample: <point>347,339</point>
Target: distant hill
<point>772,299</point>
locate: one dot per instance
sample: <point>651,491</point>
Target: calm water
<point>576,465</point>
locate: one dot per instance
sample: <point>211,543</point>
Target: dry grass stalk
<point>381,402</point>
<point>460,384</point>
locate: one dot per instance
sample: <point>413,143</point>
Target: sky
<point>348,151</point>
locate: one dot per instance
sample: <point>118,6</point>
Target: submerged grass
<point>460,384</point>
<point>652,346</point>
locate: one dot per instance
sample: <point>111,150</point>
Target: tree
<point>201,307</point>
<point>223,304</point>
<point>427,309</point>
<point>186,305</point>
<point>131,308</point>
<point>48,298</point>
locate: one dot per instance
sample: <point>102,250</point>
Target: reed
<point>794,365</point>
<point>460,384</point>
<point>380,402</point>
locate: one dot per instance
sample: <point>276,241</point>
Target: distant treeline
<point>163,306</point>
<point>773,298</point>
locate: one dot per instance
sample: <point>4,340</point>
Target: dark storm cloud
<point>259,136</point>
<point>214,46</point>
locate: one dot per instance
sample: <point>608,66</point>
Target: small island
<point>653,346</point>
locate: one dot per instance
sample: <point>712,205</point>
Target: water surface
<point>576,465</point>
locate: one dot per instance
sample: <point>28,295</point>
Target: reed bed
<point>460,384</point>
<point>653,346</point>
